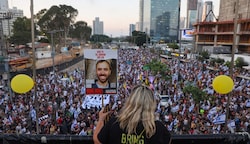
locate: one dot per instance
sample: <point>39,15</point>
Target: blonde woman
<point>134,124</point>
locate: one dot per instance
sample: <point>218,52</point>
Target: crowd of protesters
<point>59,104</point>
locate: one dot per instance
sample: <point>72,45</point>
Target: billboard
<point>187,34</point>
<point>101,71</point>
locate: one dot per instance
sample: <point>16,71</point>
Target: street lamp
<point>4,53</point>
<point>34,60</point>
<point>232,57</point>
<point>53,53</point>
<point>179,36</point>
<point>10,16</point>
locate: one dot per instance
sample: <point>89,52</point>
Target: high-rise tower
<point>199,11</point>
<point>160,18</point>
<point>97,26</point>
<point>4,5</point>
<point>131,29</point>
<point>191,13</point>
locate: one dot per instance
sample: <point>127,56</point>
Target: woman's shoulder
<point>162,135</point>
<point>159,123</point>
<point>160,126</point>
<point>112,120</point>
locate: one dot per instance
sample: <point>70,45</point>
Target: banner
<point>187,34</point>
<point>92,101</point>
<point>101,71</point>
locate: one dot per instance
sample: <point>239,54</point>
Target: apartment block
<point>221,32</point>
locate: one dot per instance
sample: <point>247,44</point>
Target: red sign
<point>100,54</point>
<point>94,91</point>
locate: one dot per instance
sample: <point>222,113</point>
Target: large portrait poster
<point>100,71</point>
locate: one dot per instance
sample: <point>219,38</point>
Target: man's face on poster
<point>103,71</point>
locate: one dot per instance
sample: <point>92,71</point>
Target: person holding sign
<point>135,123</point>
<point>100,71</point>
<point>103,72</point>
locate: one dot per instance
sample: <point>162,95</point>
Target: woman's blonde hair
<point>139,106</point>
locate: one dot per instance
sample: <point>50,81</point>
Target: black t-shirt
<point>111,133</point>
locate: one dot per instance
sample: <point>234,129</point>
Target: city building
<point>191,13</point>
<point>221,32</point>
<point>160,19</point>
<point>137,26</point>
<point>97,26</point>
<point>141,15</point>
<point>4,5</point>
<point>131,29</point>
<point>183,22</point>
<point>8,16</point>
<point>7,23</point>
<point>199,11</point>
<point>207,13</point>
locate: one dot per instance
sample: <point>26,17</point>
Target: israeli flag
<point>213,111</point>
<point>220,119</point>
<point>248,103</point>
<point>231,124</point>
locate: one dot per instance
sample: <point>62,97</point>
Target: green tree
<point>215,61</point>
<point>129,39</point>
<point>220,60</point>
<point>157,67</point>
<point>173,45</point>
<point>197,94</point>
<point>203,55</point>
<point>37,17</point>
<point>100,38</point>
<point>57,17</point>
<point>228,63</point>
<point>21,31</point>
<point>43,40</point>
<point>239,62</point>
<point>40,14</point>
<point>140,38</point>
<point>80,30</point>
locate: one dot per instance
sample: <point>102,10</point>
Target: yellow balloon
<point>21,83</point>
<point>223,84</point>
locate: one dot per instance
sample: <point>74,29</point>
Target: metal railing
<point>240,138</point>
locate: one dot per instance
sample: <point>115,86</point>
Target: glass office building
<point>160,19</point>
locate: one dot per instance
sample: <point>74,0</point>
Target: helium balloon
<point>223,84</point>
<point>21,83</point>
<point>202,111</point>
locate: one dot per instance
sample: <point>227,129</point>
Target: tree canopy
<point>21,31</point>
<point>240,62</point>
<point>140,38</point>
<point>157,67</point>
<point>197,93</point>
<point>57,17</point>
<point>80,30</point>
<point>173,45</point>
<point>100,38</point>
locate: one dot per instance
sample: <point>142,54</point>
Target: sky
<point>115,14</point>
